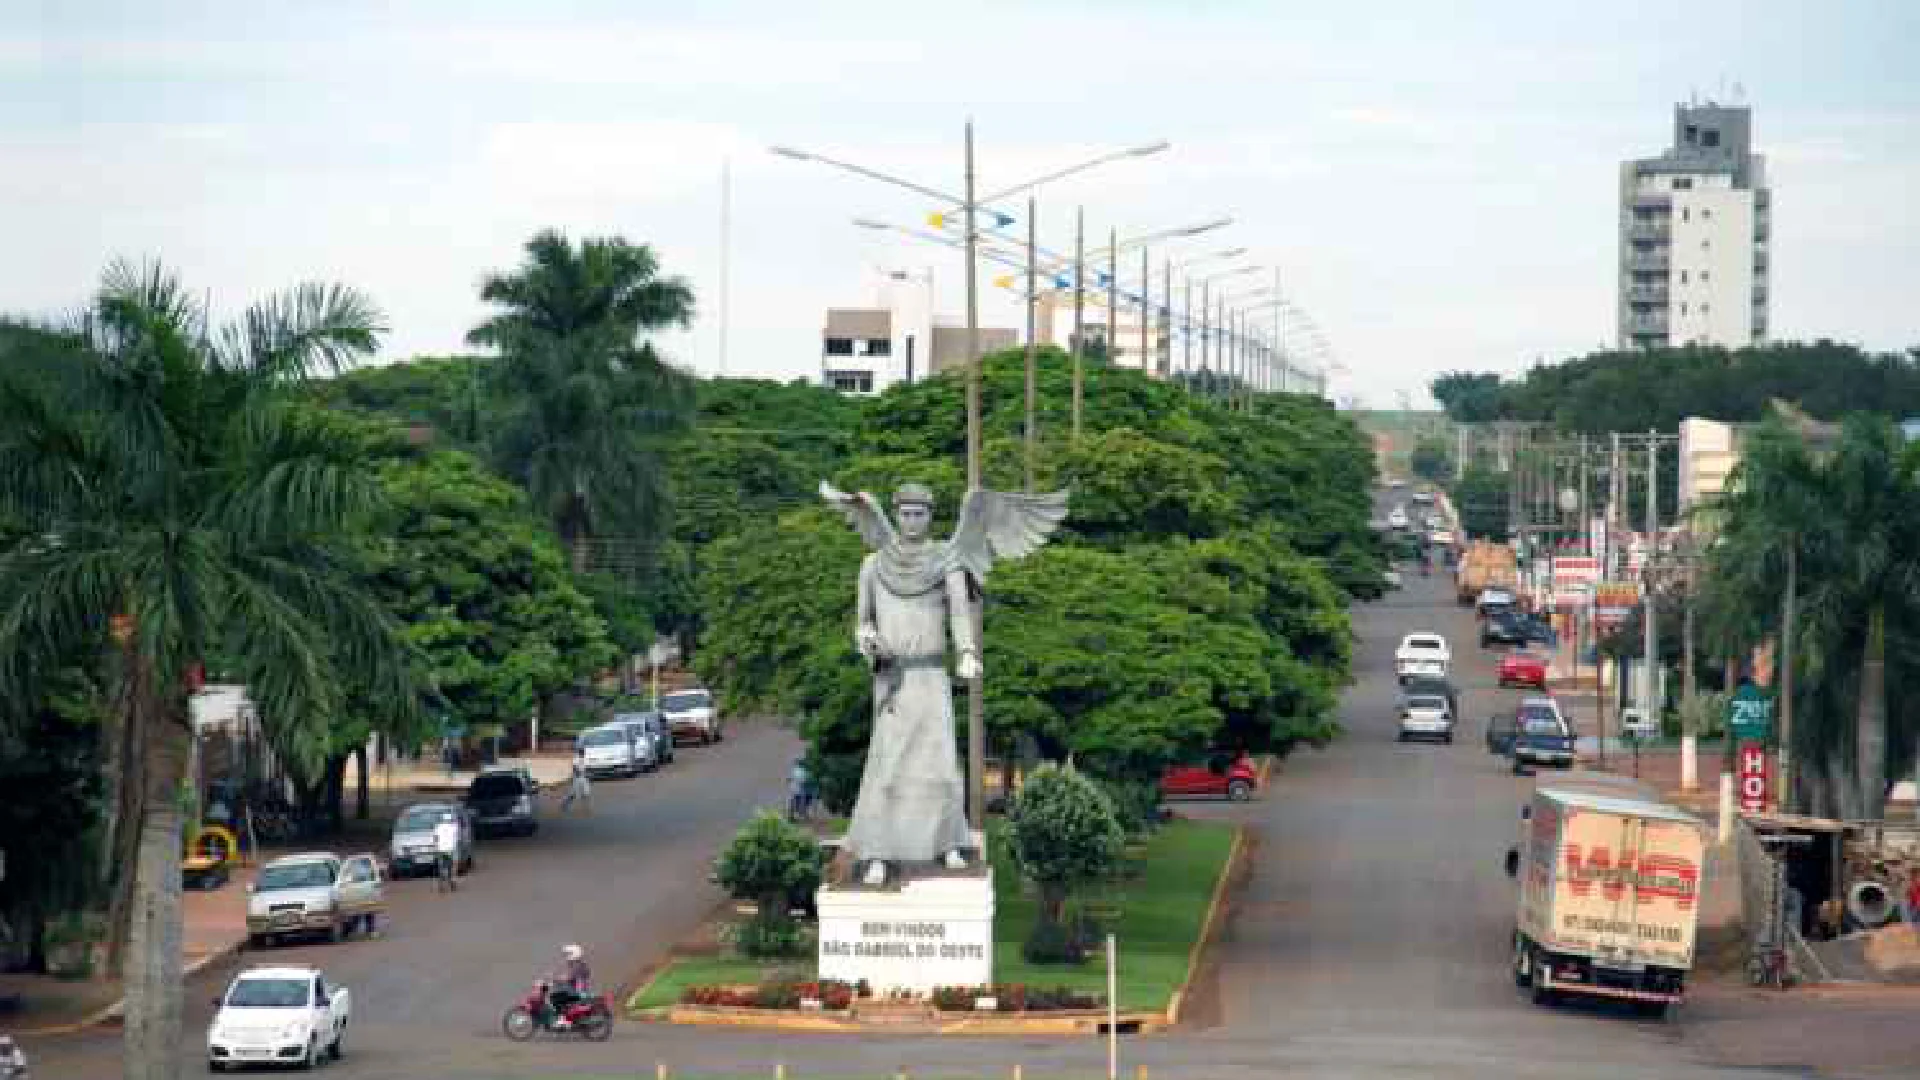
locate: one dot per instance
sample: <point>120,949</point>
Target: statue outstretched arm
<point>866,631</point>
<point>966,647</point>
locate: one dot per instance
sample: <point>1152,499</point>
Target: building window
<point>1706,276</point>
<point>1710,137</point>
<point>1683,307</point>
<point>1686,213</point>
<point>879,346</point>
<point>1706,308</point>
<point>1683,277</point>
<point>850,382</point>
<point>1706,213</point>
<point>839,346</point>
<point>1682,183</point>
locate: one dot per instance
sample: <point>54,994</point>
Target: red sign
<point>1751,786</point>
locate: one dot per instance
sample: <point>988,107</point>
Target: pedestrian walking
<point>580,788</point>
<point>446,851</point>
<point>799,792</point>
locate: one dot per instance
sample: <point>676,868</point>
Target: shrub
<point>771,861</point>
<point>1064,833</point>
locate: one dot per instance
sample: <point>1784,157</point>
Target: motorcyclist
<point>572,984</point>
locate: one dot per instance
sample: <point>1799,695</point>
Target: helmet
<point>571,952</point>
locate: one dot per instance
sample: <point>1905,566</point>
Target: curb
<point>1210,925</point>
<point>112,1012</point>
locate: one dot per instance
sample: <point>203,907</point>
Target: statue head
<point>913,511</point>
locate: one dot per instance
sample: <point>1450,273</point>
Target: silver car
<point>1426,716</point>
<point>412,848</point>
<point>652,727</point>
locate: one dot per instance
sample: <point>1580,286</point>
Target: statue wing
<point>1004,525</point>
<point>863,512</point>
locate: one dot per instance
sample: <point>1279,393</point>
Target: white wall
<point>1710,267</point>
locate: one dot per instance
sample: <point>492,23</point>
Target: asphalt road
<point>625,882</point>
<point>1370,940</point>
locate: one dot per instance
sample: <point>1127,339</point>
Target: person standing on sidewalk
<point>580,787</point>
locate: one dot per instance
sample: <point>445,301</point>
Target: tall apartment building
<point>1695,226</point>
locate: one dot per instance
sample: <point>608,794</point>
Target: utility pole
<point>1166,319</point>
<point>1689,738</point>
<point>1079,308</point>
<point>1146,309</point>
<point>976,706</point>
<point>1186,323</point>
<point>1648,683</point>
<point>1113,297</point>
<point>1031,433</point>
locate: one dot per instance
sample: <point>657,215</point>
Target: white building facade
<point>1695,230</point>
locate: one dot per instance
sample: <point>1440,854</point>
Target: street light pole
<point>1166,320</point>
<point>1032,438</point>
<point>976,711</point>
<point>1113,296</point>
<point>1186,322</point>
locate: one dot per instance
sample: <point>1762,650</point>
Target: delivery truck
<point>1609,895</point>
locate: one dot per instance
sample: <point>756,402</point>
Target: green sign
<point>1750,713</point>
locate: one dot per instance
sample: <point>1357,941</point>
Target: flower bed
<point>837,996</point>
<point>776,995</point>
<point>1013,998</point>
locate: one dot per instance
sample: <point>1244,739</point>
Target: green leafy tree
<point>449,396</point>
<point>1468,397</point>
<point>775,863</point>
<point>480,590</point>
<point>586,404</point>
<point>1064,834</point>
<point>172,493</point>
<point>1430,460</point>
<point>1481,497</point>
<point>53,817</point>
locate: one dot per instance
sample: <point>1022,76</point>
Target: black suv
<point>504,801</point>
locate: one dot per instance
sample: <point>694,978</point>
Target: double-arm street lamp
<point>970,206</point>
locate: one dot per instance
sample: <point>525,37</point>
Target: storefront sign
<point>1750,713</point>
<point>1752,778</point>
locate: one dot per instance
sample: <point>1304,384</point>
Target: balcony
<point>1652,259</point>
<point>1647,294</point>
<point>1643,200</point>
<point>1656,229</point>
<point>1646,322</point>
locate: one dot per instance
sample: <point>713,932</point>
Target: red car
<point>1234,778</point>
<point>1519,668</point>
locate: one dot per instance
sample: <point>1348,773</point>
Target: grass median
<point>1161,907</point>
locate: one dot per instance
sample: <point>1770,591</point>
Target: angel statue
<point>915,594</point>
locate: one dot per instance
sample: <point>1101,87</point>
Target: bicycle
<point>1769,967</point>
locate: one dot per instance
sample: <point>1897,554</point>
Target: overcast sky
<point>1436,182</point>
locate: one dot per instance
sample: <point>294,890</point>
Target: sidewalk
<point>549,770</point>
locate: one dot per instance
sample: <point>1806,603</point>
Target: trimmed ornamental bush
<point>770,860</point>
<point>1012,998</point>
<point>1064,833</point>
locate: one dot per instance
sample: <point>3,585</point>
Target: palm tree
<point>181,509</point>
<point>1873,507</point>
<point>587,400</point>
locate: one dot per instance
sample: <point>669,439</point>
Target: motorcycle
<point>590,1018</point>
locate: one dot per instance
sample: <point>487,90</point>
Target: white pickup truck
<point>1422,654</point>
<point>278,1016</point>
<point>316,892</point>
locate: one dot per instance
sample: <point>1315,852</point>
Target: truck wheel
<point>256,941</point>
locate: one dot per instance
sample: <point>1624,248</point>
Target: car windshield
<point>306,875</point>
<point>692,699</point>
<point>1437,704</point>
<point>498,786</point>
<point>1541,724</point>
<point>422,818</point>
<point>604,737</point>
<point>269,993</point>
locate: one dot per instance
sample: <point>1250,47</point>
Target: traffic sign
<point>1750,713</point>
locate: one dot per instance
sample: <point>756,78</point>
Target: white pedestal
<point>931,931</point>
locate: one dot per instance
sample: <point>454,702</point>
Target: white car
<point>692,714</point>
<point>278,1016</point>
<point>1397,519</point>
<point>609,750</point>
<point>1426,716</point>
<point>1422,654</point>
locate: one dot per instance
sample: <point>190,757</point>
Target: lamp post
<point>970,206</point>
